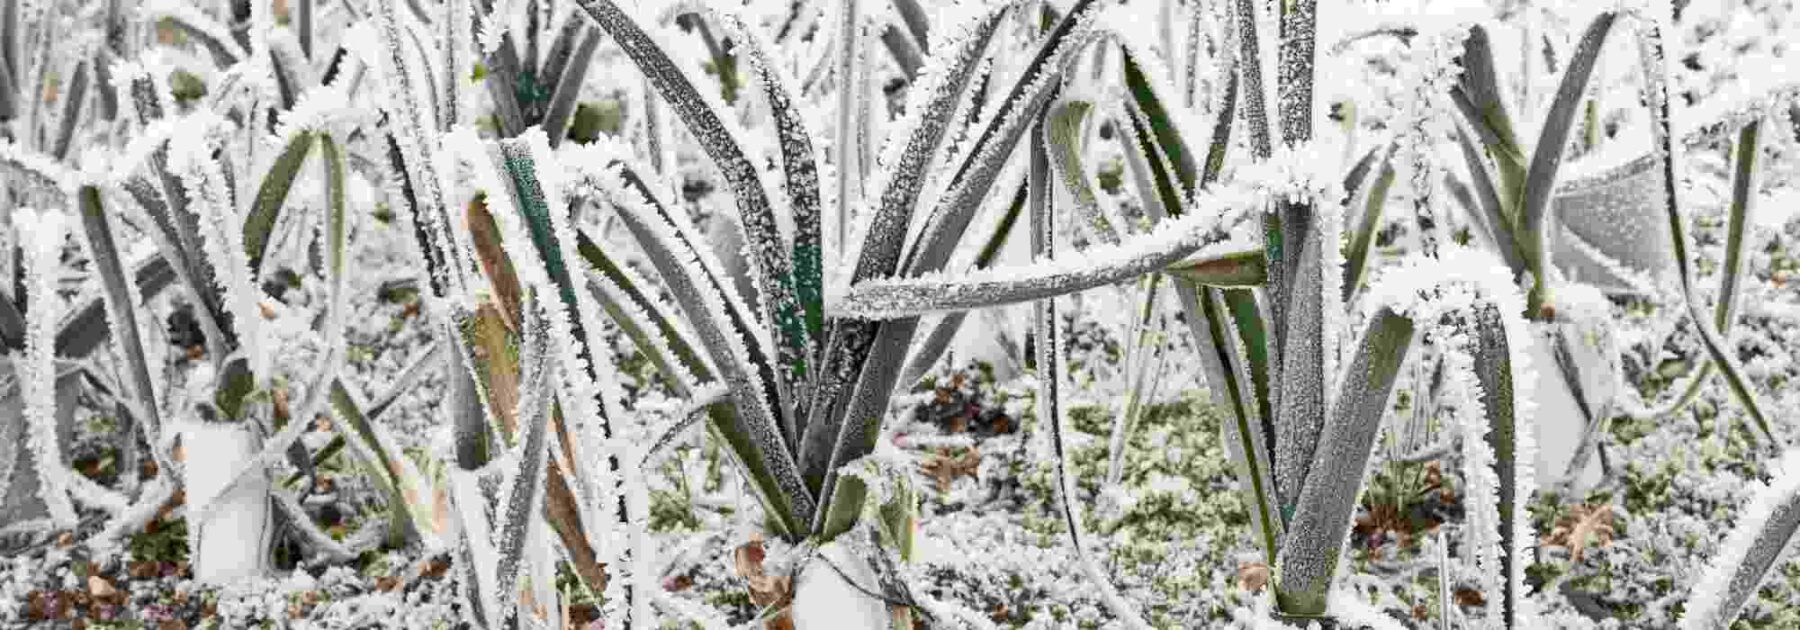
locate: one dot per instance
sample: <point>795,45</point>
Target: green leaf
<point>568,85</point>
<point>270,196</point>
<point>1322,517</point>
<point>1356,253</point>
<point>1657,96</point>
<point>1547,157</point>
<point>1241,389</point>
<point>1235,269</point>
<point>1493,371</point>
<point>1489,210</point>
<point>120,309</point>
<point>1161,126</point>
<point>73,100</point>
<point>1743,201</point>
<point>685,357</point>
<point>1063,135</point>
<point>927,353</point>
<point>235,384</point>
<point>754,432</point>
<point>848,343</point>
<point>771,265</point>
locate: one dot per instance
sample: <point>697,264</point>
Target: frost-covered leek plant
<point>160,166</point>
<point>806,393</point>
<point>1614,224</point>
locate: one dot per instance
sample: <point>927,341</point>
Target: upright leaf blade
<point>120,307</point>
<point>1309,554</point>
<point>1656,94</point>
<point>1743,201</point>
<point>1547,157</point>
<point>1356,253</point>
<point>771,265</point>
<point>271,194</point>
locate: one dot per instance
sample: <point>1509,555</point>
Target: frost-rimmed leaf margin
<point>857,425</point>
<point>771,265</point>
<point>1654,63</point>
<point>721,322</point>
<point>1760,539</point>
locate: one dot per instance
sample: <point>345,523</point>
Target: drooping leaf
<point>1052,358</point>
<point>1063,134</point>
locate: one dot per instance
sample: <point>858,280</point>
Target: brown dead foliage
<point>765,590</point>
<point>944,467</point>
<point>1252,576</point>
<point>1585,521</point>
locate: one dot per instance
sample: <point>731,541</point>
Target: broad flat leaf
<point>1250,79</point>
<point>1295,63</point>
<point>1315,536</point>
<point>1494,372</point>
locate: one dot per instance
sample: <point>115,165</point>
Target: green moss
<point>186,86</point>
<point>165,542</point>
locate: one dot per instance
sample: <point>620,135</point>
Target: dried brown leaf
<point>1583,522</point>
